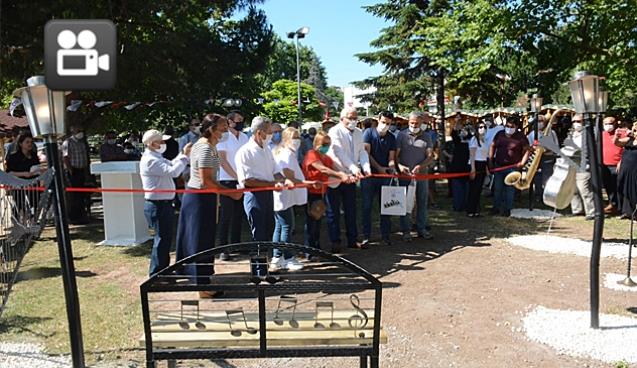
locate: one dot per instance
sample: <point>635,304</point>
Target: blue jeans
<point>371,192</point>
<point>503,194</point>
<point>346,194</point>
<point>283,226</point>
<point>459,193</point>
<point>160,216</point>
<point>422,191</point>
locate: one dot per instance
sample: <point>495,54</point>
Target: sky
<point>339,29</point>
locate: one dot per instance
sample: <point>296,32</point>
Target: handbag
<point>393,199</point>
<point>411,196</point>
<point>317,209</point>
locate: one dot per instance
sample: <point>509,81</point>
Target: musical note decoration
<point>324,305</point>
<point>277,317</point>
<point>185,325</point>
<point>359,319</point>
<point>235,331</point>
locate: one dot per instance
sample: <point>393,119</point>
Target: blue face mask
<point>276,137</point>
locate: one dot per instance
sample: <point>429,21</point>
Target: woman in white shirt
<point>285,155</point>
<point>478,154</point>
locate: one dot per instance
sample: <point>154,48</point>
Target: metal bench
<point>330,308</point>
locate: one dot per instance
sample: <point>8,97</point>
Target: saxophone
<point>522,179</point>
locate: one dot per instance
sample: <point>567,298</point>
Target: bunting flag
<point>103,103</point>
<point>17,101</point>
<point>74,105</point>
<point>132,106</point>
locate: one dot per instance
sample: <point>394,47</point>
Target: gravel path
<point>569,333</point>
<point>21,355</point>
<point>557,244</point>
<point>611,281</point>
<point>524,213</point>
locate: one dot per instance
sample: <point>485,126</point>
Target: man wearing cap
<point>157,173</point>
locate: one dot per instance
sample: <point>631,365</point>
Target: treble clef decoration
<point>360,319</point>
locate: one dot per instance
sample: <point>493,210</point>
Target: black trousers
<point>475,187</point>
<point>231,216</point>
<point>77,202</point>
<point>609,175</point>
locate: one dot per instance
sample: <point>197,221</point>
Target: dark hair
<point>234,113</point>
<point>22,136</point>
<point>169,130</point>
<point>210,122</point>
<point>368,123</point>
<point>386,114</point>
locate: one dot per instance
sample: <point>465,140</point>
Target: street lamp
<point>300,33</point>
<point>45,111</point>
<point>536,107</point>
<point>586,98</point>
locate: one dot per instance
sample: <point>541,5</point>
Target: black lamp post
<point>585,93</point>
<point>45,110</point>
<point>300,33</point>
<point>536,108</point>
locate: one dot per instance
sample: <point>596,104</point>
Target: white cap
<point>154,135</point>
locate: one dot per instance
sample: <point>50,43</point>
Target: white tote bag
<point>393,200</point>
<point>411,196</point>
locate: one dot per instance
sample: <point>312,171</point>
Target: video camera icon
<point>79,62</point>
<point>80,54</point>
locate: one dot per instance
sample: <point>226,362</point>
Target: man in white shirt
<point>256,168</point>
<point>230,211</point>
<point>349,155</point>
<point>157,173</point>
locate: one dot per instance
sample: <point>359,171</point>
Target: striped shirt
<point>202,155</point>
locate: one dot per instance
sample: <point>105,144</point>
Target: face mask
<point>540,126</point>
<point>79,135</point>
<point>268,139</point>
<point>224,137</point>
<point>392,128</point>
<point>382,128</point>
<point>351,125</point>
<point>577,126</point>
<point>414,130</point>
<point>424,127</point>
<point>296,143</point>
<point>509,131</point>
<point>111,141</point>
<point>239,126</point>
<point>481,130</point>
<point>196,130</point>
<point>324,148</point>
<point>609,127</point>
<point>128,151</point>
<point>276,137</point>
<point>463,134</point>
<point>162,148</point>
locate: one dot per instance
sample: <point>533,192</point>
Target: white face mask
<point>79,135</point>
<point>382,128</point>
<point>577,126</point>
<point>224,137</point>
<point>540,126</point>
<point>609,127</point>
<point>162,148</point>
<point>268,139</point>
<point>509,131</point>
<point>197,130</point>
<point>296,143</point>
<point>414,129</point>
<point>481,130</point>
<point>111,141</point>
<point>351,125</point>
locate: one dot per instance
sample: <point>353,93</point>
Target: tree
<point>282,65</point>
<point>180,52</point>
<point>281,102</point>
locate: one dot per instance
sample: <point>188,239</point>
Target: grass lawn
<point>109,278</point>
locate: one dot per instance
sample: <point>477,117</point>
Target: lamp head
<point>585,92</point>
<point>45,109</point>
<point>303,31</point>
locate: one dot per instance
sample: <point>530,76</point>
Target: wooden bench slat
<point>275,338</point>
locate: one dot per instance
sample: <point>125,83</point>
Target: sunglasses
<point>482,126</point>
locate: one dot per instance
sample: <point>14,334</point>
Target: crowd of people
<point>269,174</point>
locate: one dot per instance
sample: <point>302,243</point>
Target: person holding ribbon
<point>381,148</point>
<point>349,155</point>
<point>230,210</point>
<point>157,173</point>
<point>198,217</point>
<point>414,153</point>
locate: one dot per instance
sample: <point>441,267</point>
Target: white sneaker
<point>293,264</point>
<point>276,264</point>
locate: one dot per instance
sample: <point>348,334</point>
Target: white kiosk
<point>124,221</point>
